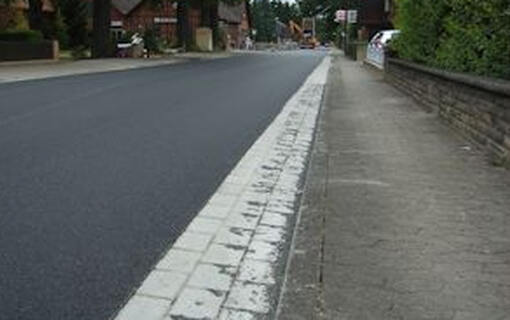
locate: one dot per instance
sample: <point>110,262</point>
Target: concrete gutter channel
<point>302,293</point>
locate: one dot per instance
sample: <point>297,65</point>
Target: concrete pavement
<point>401,218</point>
<point>31,70</point>
<point>22,71</point>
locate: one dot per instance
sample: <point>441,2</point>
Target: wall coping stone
<point>498,86</point>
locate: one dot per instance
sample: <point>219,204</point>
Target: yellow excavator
<point>305,34</point>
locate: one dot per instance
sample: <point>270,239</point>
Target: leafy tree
<point>35,15</point>
<point>185,38</point>
<point>285,11</point>
<point>263,18</point>
<point>74,13</point>
<point>324,12</point>
<point>58,29</point>
<point>13,19</point>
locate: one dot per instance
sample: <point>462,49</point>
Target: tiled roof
<point>228,13</point>
<point>231,13</point>
<point>126,6</point>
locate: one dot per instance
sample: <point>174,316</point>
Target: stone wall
<point>14,51</point>
<point>477,107</point>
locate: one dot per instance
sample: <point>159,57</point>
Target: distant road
<point>100,173</point>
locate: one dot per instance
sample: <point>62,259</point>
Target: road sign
<point>352,16</point>
<point>340,15</point>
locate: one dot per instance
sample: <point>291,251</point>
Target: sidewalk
<point>31,70</point>
<point>50,69</point>
<point>401,219</point>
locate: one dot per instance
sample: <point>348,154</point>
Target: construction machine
<point>304,34</point>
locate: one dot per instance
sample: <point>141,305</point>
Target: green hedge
<point>21,36</point>
<point>470,36</point>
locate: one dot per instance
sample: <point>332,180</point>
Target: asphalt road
<point>99,174</point>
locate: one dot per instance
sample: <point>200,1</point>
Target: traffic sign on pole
<point>340,15</point>
<point>352,16</point>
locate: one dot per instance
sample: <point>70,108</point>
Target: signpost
<point>340,15</point>
<point>352,16</point>
<point>346,17</point>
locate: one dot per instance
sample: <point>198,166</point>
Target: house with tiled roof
<point>140,15</point>
<point>235,22</point>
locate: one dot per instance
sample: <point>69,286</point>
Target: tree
<point>58,29</point>
<point>35,14</point>
<point>12,18</point>
<point>74,13</point>
<point>324,11</point>
<point>183,28</point>
<point>263,17</point>
<point>101,28</point>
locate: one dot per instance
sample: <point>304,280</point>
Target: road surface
<point>99,174</point>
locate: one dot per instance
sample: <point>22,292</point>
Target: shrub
<point>421,24</point>
<point>21,35</point>
<point>476,38</point>
<point>79,52</point>
<point>461,35</point>
<point>152,41</point>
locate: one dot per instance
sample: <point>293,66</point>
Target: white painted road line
<point>225,265</point>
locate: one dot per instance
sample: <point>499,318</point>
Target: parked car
<point>377,46</point>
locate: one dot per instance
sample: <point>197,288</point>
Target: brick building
<point>140,15</point>
<point>235,22</point>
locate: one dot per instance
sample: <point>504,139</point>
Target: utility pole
<point>346,25</point>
